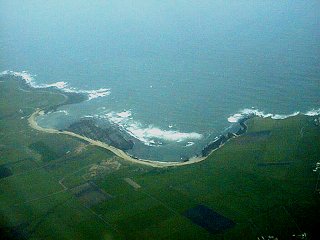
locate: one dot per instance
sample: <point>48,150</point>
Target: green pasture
<point>265,183</point>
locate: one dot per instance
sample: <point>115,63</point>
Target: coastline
<point>73,98</point>
<point>77,97</point>
<point>120,153</point>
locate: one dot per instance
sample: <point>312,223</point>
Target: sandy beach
<point>158,164</point>
<point>33,124</point>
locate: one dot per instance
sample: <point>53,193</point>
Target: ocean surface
<point>173,74</point>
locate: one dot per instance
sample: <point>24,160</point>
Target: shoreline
<point>70,98</point>
<point>73,98</point>
<point>120,153</point>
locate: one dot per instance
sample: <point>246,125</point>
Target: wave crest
<point>254,112</point>
<point>150,135</point>
<point>313,112</point>
<point>29,79</point>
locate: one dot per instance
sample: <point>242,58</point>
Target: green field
<point>58,187</point>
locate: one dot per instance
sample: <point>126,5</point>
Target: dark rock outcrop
<point>223,139</point>
<point>214,145</point>
<point>110,135</point>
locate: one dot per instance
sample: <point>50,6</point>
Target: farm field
<point>59,187</point>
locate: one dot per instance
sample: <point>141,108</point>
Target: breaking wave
<point>189,144</point>
<point>254,112</point>
<point>29,79</point>
<point>313,112</point>
<point>64,112</point>
<point>150,135</point>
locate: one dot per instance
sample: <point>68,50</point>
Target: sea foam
<point>254,112</point>
<point>313,112</point>
<point>29,79</point>
<point>149,135</point>
<point>189,144</point>
<point>64,112</point>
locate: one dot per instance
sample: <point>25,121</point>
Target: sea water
<point>173,74</point>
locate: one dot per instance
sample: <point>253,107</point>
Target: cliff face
<point>109,135</point>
